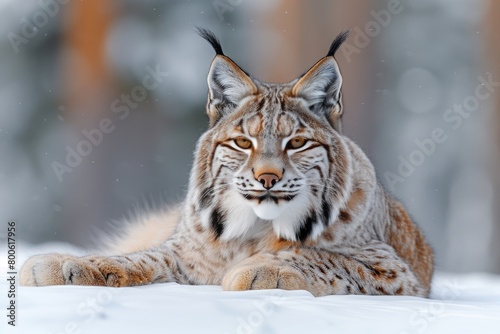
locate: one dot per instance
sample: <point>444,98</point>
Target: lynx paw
<point>59,269</point>
<point>270,275</point>
<point>41,270</point>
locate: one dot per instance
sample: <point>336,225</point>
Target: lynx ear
<point>320,87</point>
<point>228,84</point>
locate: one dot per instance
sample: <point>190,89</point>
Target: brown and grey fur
<point>324,225</point>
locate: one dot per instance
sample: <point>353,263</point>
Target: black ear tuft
<point>337,42</point>
<point>210,37</point>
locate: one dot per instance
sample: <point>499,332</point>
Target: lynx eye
<point>296,143</point>
<point>243,143</point>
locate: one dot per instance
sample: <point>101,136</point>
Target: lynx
<point>277,198</point>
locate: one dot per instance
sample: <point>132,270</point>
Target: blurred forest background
<point>420,98</point>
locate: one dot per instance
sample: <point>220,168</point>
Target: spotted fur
<point>278,198</point>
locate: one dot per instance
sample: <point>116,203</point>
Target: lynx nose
<point>268,180</point>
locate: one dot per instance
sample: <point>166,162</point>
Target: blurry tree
<point>493,55</point>
<point>301,32</point>
<point>87,88</point>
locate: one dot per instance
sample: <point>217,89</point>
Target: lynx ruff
<point>278,198</point>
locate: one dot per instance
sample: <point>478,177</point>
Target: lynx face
<point>272,157</point>
<point>277,170</point>
<point>273,154</point>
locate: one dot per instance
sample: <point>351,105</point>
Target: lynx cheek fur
<point>278,198</point>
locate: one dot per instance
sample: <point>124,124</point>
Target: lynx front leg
<point>159,265</point>
<point>374,269</point>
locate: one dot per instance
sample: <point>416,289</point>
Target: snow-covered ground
<point>459,304</point>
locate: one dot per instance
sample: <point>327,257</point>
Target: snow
<point>458,304</point>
